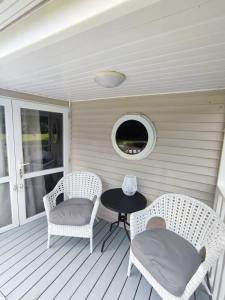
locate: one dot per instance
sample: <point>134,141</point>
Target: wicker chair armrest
<point>196,280</point>
<point>94,211</point>
<point>139,219</point>
<point>50,199</point>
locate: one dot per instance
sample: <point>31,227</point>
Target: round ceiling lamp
<point>109,79</point>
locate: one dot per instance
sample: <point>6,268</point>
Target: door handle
<point>21,165</point>
<point>21,173</point>
<point>24,164</point>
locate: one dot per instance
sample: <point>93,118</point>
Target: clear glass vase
<point>129,185</point>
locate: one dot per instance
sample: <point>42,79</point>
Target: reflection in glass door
<point>8,186</point>
<point>41,142</point>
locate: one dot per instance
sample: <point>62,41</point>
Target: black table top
<point>117,201</point>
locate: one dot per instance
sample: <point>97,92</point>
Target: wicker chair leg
<point>129,267</point>
<point>91,244</point>
<point>49,243</point>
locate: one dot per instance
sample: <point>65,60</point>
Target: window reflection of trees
<point>42,139</point>
<point>132,137</point>
<point>3,146</point>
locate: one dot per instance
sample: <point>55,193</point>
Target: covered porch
<point>98,96</point>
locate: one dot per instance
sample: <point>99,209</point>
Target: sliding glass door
<point>42,152</point>
<point>8,183</point>
<point>33,157</point>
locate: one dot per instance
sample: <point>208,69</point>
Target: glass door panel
<point>36,188</point>
<point>5,205</point>
<point>41,141</point>
<point>8,187</point>
<point>3,148</point>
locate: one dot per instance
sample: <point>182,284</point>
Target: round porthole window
<point>133,136</point>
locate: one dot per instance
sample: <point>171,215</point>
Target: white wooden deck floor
<point>67,271</point>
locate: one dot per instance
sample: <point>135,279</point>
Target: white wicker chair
<point>192,220</point>
<point>75,185</point>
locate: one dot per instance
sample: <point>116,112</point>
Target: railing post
<point>217,276</point>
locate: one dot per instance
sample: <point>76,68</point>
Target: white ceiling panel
<point>12,10</point>
<point>169,46</point>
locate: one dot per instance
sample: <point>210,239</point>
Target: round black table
<point>117,201</point>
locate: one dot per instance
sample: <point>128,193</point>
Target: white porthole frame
<point>151,136</point>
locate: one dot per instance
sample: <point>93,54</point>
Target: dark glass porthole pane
<point>131,137</point>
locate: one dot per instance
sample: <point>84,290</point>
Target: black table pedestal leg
<point>111,226</point>
<point>122,218</point>
<point>125,228</point>
<point>108,236</point>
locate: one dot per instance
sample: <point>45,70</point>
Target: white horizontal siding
<point>30,97</point>
<point>187,152</point>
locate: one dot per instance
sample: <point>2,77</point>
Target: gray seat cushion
<point>75,211</point>
<point>169,258</point>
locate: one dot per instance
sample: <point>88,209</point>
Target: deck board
<point>53,279</point>
<point>16,241</point>
<point>15,248</point>
<point>118,281</point>
<point>89,283</point>
<point>76,280</point>
<point>106,277</point>
<point>29,271</point>
<point>131,285</point>
<point>17,231</point>
<point>65,278</point>
<point>22,258</point>
<point>144,290</point>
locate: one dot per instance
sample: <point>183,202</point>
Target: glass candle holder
<point>129,185</point>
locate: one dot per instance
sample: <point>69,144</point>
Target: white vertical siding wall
<point>187,152</point>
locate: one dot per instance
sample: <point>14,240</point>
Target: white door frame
<point>17,105</point>
<point>11,178</point>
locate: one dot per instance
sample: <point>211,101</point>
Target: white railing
<point>217,277</point>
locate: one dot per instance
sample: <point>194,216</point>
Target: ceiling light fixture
<point>109,79</point>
